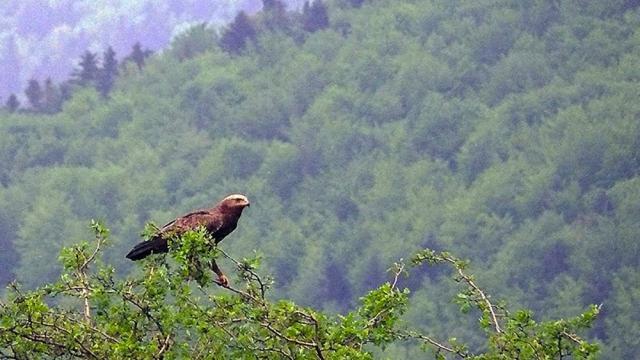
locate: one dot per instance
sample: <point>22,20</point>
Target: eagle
<point>219,221</point>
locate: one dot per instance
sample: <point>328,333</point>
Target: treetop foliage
<point>501,131</point>
<point>171,310</point>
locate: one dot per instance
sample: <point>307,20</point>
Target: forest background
<point>362,131</point>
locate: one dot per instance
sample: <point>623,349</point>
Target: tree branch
<point>253,274</point>
<point>144,310</point>
<point>438,345</point>
<point>269,327</point>
<point>165,346</point>
<point>398,269</point>
<point>476,288</point>
<point>572,337</point>
<point>82,276</point>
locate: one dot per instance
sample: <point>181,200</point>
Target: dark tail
<point>146,248</point>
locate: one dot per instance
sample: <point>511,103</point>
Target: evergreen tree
<point>52,98</point>
<point>270,4</point>
<point>315,16</point>
<point>88,72</point>
<point>138,55</point>
<point>196,40</point>
<point>306,9</point>
<point>34,94</point>
<point>66,90</point>
<point>235,37</point>
<point>108,73</point>
<point>12,103</point>
<point>274,15</point>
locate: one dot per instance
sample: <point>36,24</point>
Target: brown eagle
<point>219,221</point>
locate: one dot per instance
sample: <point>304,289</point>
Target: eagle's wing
<point>191,221</point>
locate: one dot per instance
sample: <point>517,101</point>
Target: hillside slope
<point>506,133</point>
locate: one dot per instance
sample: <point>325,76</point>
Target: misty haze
<point>380,144</point>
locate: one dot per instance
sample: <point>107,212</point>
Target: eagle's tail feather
<point>146,248</point>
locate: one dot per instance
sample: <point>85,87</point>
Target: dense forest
<point>503,131</point>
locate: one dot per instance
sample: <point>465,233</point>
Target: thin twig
<point>572,337</point>
<point>254,275</point>
<point>438,345</point>
<point>477,289</point>
<point>82,274</point>
<point>145,310</point>
<point>286,338</point>
<point>92,328</point>
<point>45,339</point>
<point>237,291</point>
<point>95,252</point>
<point>272,349</point>
<point>399,269</point>
<point>261,301</point>
<point>279,351</point>
<point>165,346</point>
<point>316,327</point>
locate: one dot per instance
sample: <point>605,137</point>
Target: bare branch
<point>398,269</point>
<point>436,344</point>
<point>90,327</point>
<point>573,337</point>
<point>100,240</point>
<point>476,288</point>
<point>237,291</point>
<point>82,350</point>
<point>276,350</point>
<point>288,339</point>
<point>87,307</point>
<point>82,275</point>
<point>165,346</point>
<point>253,274</point>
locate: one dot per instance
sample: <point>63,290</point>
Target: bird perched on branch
<point>219,221</point>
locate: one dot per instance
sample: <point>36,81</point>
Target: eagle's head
<point>235,201</point>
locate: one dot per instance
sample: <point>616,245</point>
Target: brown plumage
<point>219,221</point>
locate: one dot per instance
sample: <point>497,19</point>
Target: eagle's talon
<point>223,281</point>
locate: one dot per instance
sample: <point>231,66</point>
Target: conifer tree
<point>34,94</point>
<point>88,72</point>
<point>138,55</point>
<point>66,90</point>
<point>268,4</point>
<point>315,16</point>
<point>274,15</point>
<point>234,39</point>
<point>108,72</point>
<point>52,98</point>
<point>13,103</point>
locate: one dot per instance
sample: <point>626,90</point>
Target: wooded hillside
<point>505,132</point>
